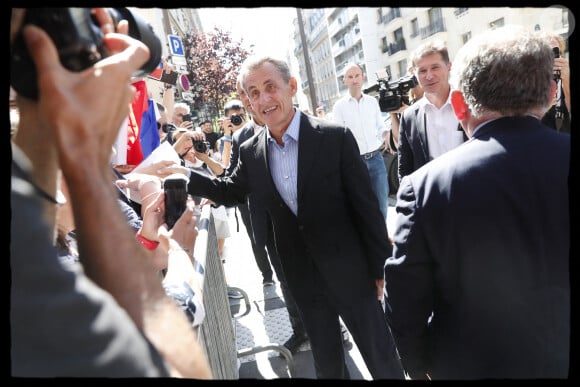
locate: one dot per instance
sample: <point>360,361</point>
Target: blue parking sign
<point>175,45</point>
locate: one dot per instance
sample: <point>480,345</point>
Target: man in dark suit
<point>479,283</point>
<point>259,227</point>
<point>307,174</point>
<point>428,128</point>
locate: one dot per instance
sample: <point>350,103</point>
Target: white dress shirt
<point>363,118</point>
<point>441,126</point>
<point>284,163</point>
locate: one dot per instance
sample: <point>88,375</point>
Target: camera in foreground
<point>200,146</point>
<point>392,94</point>
<point>79,41</point>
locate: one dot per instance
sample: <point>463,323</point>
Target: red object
<point>147,243</point>
<point>184,82</point>
<point>139,105</point>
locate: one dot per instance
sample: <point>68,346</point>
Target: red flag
<point>138,106</point>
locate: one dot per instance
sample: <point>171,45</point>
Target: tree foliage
<point>213,62</point>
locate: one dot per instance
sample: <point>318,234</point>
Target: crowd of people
<point>473,282</point>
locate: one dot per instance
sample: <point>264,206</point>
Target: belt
<point>370,155</point>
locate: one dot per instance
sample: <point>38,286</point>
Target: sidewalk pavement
<point>267,321</point>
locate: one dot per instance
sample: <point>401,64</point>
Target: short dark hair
<point>234,104</point>
<point>205,122</point>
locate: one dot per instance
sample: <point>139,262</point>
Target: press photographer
<point>558,117</point>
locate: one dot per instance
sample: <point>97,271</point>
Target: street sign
<point>179,62</point>
<point>175,45</point>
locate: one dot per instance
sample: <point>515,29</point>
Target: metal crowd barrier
<point>216,333</point>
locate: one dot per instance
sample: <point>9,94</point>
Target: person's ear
<point>458,104</point>
<point>293,85</point>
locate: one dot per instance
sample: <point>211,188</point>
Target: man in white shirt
<point>361,114</point>
<point>429,128</point>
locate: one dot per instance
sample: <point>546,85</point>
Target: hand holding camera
<point>187,122</point>
<point>80,42</point>
<point>104,87</point>
<point>233,123</point>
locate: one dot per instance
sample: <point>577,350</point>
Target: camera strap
<point>559,117</point>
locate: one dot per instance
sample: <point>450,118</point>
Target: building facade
<point>382,39</point>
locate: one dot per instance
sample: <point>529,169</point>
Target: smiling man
<point>429,128</point>
<point>307,174</point>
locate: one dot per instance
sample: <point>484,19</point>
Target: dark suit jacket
<point>483,241</point>
<point>339,228</point>
<point>238,138</point>
<point>256,215</point>
<point>413,149</point>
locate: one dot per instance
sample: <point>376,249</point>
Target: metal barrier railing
<point>216,333</point>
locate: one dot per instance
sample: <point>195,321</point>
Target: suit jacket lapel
<point>261,154</point>
<point>422,130</point>
<point>308,150</point>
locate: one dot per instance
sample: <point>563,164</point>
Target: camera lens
<point>200,146</point>
<point>236,119</point>
<point>168,128</point>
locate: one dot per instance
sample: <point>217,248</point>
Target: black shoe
<point>345,335</point>
<point>295,341</point>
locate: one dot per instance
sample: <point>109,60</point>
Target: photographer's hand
<point>69,102</point>
<point>186,125</point>
<point>183,144</point>
<point>153,212</point>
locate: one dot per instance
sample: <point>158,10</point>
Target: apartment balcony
<point>391,15</point>
<point>396,47</point>
<point>433,28</point>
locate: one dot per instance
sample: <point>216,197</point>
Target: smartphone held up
<point>175,189</point>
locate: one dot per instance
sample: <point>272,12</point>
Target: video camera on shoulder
<point>392,94</point>
<point>79,41</point>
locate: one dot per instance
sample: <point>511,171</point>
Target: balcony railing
<point>397,46</point>
<point>433,28</point>
<point>391,15</point>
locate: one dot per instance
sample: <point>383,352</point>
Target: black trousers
<point>366,322</point>
<point>261,255</point>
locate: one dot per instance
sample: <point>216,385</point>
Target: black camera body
<point>168,128</point>
<point>236,119</point>
<point>175,190</point>
<point>392,94</point>
<point>200,146</point>
<point>186,117</point>
<point>79,41</point>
